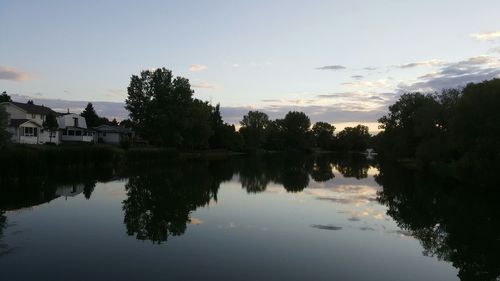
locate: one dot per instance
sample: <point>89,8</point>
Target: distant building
<point>112,134</point>
<point>25,124</point>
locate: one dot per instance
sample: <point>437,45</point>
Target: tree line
<point>163,111</point>
<point>454,130</point>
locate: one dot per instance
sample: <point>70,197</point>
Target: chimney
<point>68,110</point>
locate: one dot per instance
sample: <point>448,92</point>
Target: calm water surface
<point>282,218</point>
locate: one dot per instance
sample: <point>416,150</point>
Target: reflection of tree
<point>322,169</point>
<point>159,202</point>
<point>88,188</point>
<point>353,166</point>
<point>454,221</point>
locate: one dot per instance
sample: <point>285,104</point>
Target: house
<point>73,128</point>
<point>112,134</point>
<point>25,124</point>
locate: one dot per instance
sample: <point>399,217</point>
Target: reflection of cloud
<point>197,67</point>
<point>326,227</point>
<point>354,219</point>
<point>401,232</point>
<point>10,73</point>
<point>195,221</point>
<point>486,36</point>
<point>331,67</point>
<point>367,228</point>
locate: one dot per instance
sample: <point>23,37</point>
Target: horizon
<point>305,57</point>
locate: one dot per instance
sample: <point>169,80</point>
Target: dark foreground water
<point>271,218</point>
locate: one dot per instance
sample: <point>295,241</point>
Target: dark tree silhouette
<point>4,97</point>
<point>91,116</point>
<point>50,124</point>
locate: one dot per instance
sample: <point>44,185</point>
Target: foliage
<point>4,97</point>
<point>162,110</point>
<point>354,138</point>
<point>91,116</point>
<point>4,135</point>
<point>253,129</point>
<point>50,124</point>
<point>457,128</point>
<point>323,135</point>
<point>296,130</point>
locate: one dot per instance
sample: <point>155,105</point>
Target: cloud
<point>10,73</point>
<point>458,74</point>
<point>357,77</point>
<point>370,68</point>
<point>494,50</point>
<point>204,85</point>
<point>432,62</point>
<point>486,36</point>
<point>197,67</point>
<point>331,67</point>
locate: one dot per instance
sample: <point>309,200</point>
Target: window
<point>71,133</point>
<point>78,133</point>
<point>30,132</point>
<point>65,132</point>
<point>33,116</point>
<point>76,121</point>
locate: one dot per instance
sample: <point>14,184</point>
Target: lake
<point>275,217</point>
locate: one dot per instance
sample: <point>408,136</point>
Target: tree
<point>4,97</point>
<point>354,138</point>
<point>413,118</point>
<point>114,122</point>
<point>253,129</point>
<point>224,135</point>
<point>50,124</point>
<point>91,116</point>
<point>30,102</point>
<point>161,109</point>
<point>296,130</point>
<point>323,134</point>
<point>4,135</point>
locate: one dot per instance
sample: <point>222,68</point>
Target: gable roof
<point>18,122</point>
<point>33,108</point>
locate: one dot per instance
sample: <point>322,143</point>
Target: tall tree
<point>50,124</point>
<point>354,138</point>
<point>4,97</point>
<point>4,135</point>
<point>163,111</point>
<point>323,134</point>
<point>296,130</point>
<point>253,129</point>
<point>90,116</point>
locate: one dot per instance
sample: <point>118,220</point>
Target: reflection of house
<point>112,134</point>
<point>25,123</point>
<point>70,190</point>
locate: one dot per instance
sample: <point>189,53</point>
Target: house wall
<point>17,113</point>
<point>110,138</point>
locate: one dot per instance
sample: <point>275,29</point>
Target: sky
<point>343,62</point>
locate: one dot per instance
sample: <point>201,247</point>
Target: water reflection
<point>454,221</point>
<point>159,203</point>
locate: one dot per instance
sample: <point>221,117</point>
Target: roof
<point>33,108</point>
<point>112,129</point>
<point>18,122</point>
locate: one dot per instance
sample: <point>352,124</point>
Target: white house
<point>73,128</point>
<point>112,134</point>
<point>25,123</point>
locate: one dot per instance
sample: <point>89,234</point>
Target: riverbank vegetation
<point>456,131</point>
